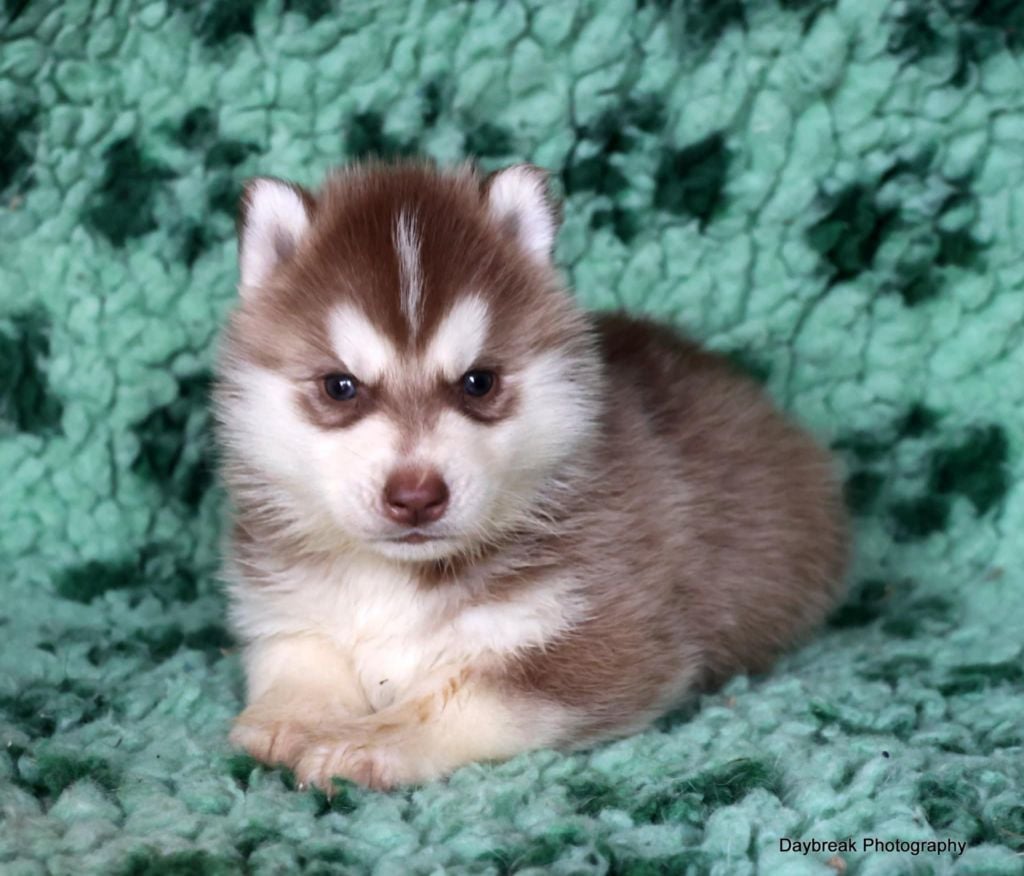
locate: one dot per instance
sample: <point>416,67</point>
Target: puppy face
<point>403,372</point>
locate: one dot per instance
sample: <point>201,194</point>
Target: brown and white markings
<point>470,519</point>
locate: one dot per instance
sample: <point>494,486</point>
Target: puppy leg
<point>462,720</point>
<point>298,686</point>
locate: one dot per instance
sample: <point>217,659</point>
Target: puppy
<point>471,519</point>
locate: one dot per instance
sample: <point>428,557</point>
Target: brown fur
<point>350,257</point>
<point>707,553</point>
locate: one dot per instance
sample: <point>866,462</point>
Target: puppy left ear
<point>519,199</point>
<point>273,217</point>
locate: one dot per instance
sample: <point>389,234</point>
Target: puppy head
<point>404,372</point>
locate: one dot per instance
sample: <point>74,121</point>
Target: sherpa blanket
<point>831,192</point>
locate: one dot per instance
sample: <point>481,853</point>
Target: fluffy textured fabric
<point>831,192</point>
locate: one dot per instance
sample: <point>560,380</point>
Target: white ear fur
<point>518,198</point>
<point>274,218</point>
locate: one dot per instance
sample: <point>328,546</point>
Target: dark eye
<point>340,387</point>
<point>477,383</point>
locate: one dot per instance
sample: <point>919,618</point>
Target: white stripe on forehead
<point>360,344</point>
<point>460,337</point>
<point>407,245</point>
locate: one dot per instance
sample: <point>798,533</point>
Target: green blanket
<point>832,193</point>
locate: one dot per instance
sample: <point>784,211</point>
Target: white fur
<point>299,664</point>
<point>358,343</point>
<point>275,221</point>
<point>394,637</point>
<point>459,340</point>
<point>264,427</point>
<point>407,245</point>
<point>325,485</point>
<point>518,198</point>
<point>556,414</point>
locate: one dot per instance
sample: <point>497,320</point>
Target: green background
<point>832,193</point>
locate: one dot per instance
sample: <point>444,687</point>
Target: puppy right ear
<point>520,201</point>
<point>273,217</point>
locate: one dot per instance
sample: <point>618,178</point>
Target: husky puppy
<point>471,519</point>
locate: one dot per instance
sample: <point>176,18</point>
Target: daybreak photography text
<point>872,844</point>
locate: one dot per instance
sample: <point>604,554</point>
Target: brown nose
<point>415,495</point>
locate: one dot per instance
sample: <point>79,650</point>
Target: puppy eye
<point>478,383</point>
<point>340,387</point>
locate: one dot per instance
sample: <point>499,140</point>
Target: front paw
<point>377,765</point>
<point>272,740</point>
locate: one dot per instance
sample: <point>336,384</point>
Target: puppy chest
<point>395,636</point>
<point>425,642</point>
